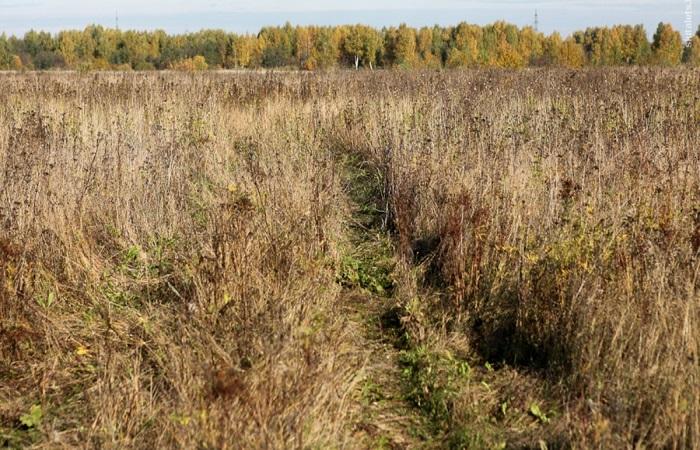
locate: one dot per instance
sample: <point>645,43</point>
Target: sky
<point>177,16</point>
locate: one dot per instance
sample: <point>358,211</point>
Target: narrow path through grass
<point>388,419</point>
<point>419,393</point>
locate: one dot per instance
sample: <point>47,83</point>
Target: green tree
<point>488,46</point>
<point>5,55</point>
<point>641,47</point>
<point>213,45</point>
<point>278,46</point>
<point>40,49</point>
<point>172,49</point>
<point>441,42</point>
<point>606,47</point>
<point>135,49</point>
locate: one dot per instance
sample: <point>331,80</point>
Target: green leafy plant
<point>48,301</point>
<point>431,382</point>
<point>32,419</point>
<point>536,412</point>
<point>364,274</point>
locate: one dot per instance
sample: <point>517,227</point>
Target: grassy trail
<point>388,420</point>
<point>412,385</point>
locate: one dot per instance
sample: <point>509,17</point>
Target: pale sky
<point>175,16</point>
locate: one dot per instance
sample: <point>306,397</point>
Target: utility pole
<point>116,19</point>
<point>537,22</point>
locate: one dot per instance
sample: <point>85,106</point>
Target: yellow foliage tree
<point>16,63</point>
<point>465,51</point>
<point>667,47</point>
<point>247,51</point>
<point>571,54</point>
<point>425,49</point>
<point>530,44</point>
<point>693,52</point>
<point>304,47</point>
<point>193,64</point>
<point>405,47</point>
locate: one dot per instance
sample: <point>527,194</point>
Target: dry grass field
<point>458,259</point>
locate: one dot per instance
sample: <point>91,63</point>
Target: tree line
<point>321,47</point>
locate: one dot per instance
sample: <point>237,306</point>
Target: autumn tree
<point>464,48</point>
<point>401,46</point>
<point>667,47</point>
<point>326,50</point>
<point>692,52</point>
<point>571,54</point>
<point>641,48</point>
<point>606,47</point>
<point>67,46</point>
<point>552,49</point>
<point>530,45</point>
<point>310,47</point>
<point>196,63</point>
<point>246,51</point>
<point>425,47</point>
<point>16,63</point>
<point>278,45</point>
<point>361,44</point>
<point>354,44</point>
<point>304,47</point>
<point>507,39</point>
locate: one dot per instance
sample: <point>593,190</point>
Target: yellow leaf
<point>81,351</point>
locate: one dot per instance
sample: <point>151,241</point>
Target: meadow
<point>468,259</point>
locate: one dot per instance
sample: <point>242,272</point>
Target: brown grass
<point>171,245</point>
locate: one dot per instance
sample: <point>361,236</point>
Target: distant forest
<point>312,47</point>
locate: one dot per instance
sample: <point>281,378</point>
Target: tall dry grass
<point>563,212</point>
<point>170,244</point>
<point>167,266</point>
